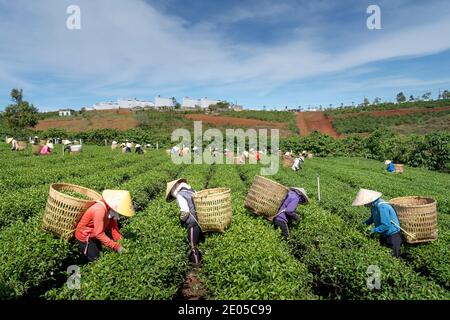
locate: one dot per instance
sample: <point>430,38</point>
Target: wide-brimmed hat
<point>302,192</point>
<point>366,196</point>
<point>119,201</point>
<point>66,142</point>
<point>387,161</point>
<point>50,145</point>
<point>170,186</point>
<point>9,140</point>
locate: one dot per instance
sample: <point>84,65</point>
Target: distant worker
<point>257,156</point>
<point>182,192</point>
<point>100,218</point>
<point>390,166</point>
<point>383,215</point>
<point>298,163</point>
<point>286,213</point>
<point>14,144</point>
<point>47,149</point>
<point>114,145</point>
<point>36,140</point>
<point>128,146</point>
<point>139,149</point>
<point>67,144</point>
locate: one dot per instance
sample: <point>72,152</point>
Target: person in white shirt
<point>298,163</point>
<point>181,191</point>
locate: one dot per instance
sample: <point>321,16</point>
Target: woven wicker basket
<point>288,161</point>
<point>265,197</point>
<point>398,168</point>
<point>213,209</point>
<point>63,212</point>
<point>36,148</point>
<point>76,148</point>
<point>418,217</point>
<point>22,145</point>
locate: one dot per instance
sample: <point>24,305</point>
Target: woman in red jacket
<point>100,218</point>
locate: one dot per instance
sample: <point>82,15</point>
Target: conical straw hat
<point>66,142</point>
<point>119,201</point>
<point>9,140</point>
<point>302,192</point>
<point>366,196</point>
<point>170,186</point>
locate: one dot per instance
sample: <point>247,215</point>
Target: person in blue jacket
<point>286,212</point>
<point>390,166</point>
<point>384,217</point>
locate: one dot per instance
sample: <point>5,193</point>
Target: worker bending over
<point>383,215</point>
<point>100,218</point>
<point>298,163</point>
<point>14,144</point>
<point>182,192</point>
<point>286,213</point>
<point>389,166</point>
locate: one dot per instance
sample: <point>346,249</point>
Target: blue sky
<point>255,53</point>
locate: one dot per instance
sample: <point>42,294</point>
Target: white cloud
<point>128,46</point>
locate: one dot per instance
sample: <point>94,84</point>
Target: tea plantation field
<point>327,256</point>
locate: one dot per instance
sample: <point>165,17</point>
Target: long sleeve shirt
<point>381,215</point>
<point>94,224</point>
<point>287,209</point>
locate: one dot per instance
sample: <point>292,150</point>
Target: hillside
<point>335,123</point>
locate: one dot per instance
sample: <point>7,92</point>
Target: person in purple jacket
<point>286,213</point>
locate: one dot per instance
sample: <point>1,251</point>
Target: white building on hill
<point>66,112</point>
<point>202,103</point>
<point>191,103</point>
<point>164,102</point>
<point>133,103</point>
<point>205,102</point>
<point>105,105</point>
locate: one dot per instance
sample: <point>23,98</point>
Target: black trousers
<point>394,242</point>
<point>278,223</point>
<point>91,249</point>
<point>194,237</point>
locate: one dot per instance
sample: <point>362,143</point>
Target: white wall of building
<point>65,113</point>
<point>205,102</point>
<point>164,102</point>
<point>191,103</point>
<point>133,103</point>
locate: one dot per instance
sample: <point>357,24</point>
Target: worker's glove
<point>121,250</point>
<point>184,216</point>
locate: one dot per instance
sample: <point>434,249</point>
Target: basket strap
<point>101,202</point>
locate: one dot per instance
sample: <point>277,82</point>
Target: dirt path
<point>308,122</point>
<point>192,287</point>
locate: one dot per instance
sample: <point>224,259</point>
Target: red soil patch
<point>106,119</point>
<point>308,122</point>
